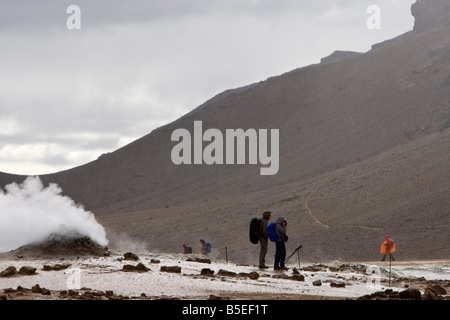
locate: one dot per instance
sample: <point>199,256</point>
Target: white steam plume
<point>30,212</point>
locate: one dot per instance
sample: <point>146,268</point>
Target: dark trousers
<point>262,253</point>
<point>280,254</point>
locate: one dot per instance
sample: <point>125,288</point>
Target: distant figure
<point>187,249</point>
<point>280,246</point>
<point>387,248</point>
<point>205,247</point>
<point>264,240</point>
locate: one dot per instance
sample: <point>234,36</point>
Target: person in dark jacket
<point>264,240</point>
<point>280,246</point>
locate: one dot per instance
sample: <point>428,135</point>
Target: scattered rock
<point>109,293</point>
<point>434,292</point>
<point>226,273</point>
<point>317,283</point>
<point>140,267</point>
<point>252,275</point>
<point>315,268</point>
<point>28,271</point>
<point>337,284</point>
<point>173,269</point>
<point>203,260</point>
<point>156,261</point>
<point>430,295</point>
<point>197,259</point>
<point>8,272</point>
<point>389,294</point>
<point>130,256</point>
<point>56,267</point>
<point>207,272</point>
<point>37,289</point>
<point>437,288</point>
<point>295,277</point>
<point>12,271</point>
<point>410,294</point>
<point>214,297</point>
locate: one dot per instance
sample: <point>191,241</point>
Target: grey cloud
<point>32,14</point>
<point>136,65</point>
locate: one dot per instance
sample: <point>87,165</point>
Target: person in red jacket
<point>387,248</point>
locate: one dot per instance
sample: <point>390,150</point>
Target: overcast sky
<point>67,96</point>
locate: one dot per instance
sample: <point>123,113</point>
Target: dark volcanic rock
<point>389,294</point>
<point>173,269</point>
<point>56,267</point>
<point>130,256</point>
<point>140,267</point>
<point>411,294</point>
<point>8,272</point>
<point>207,271</point>
<point>27,271</point>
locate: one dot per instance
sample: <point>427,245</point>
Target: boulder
<point>317,283</point>
<point>27,271</point>
<point>436,288</point>
<point>337,284</point>
<point>411,294</point>
<point>140,267</point>
<point>226,273</point>
<point>56,267</point>
<point>173,269</point>
<point>8,272</point>
<point>207,272</point>
<point>434,292</point>
<point>130,256</point>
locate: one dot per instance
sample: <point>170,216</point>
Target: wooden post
<point>226,254</point>
<point>390,265</point>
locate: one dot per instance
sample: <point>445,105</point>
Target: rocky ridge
<point>429,14</point>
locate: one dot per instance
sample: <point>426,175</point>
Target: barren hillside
<point>364,151</point>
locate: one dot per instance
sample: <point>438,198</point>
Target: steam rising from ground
<point>30,213</point>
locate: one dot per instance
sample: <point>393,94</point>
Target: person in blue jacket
<point>280,246</point>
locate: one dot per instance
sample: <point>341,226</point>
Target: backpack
<point>271,232</point>
<point>208,247</point>
<point>255,230</point>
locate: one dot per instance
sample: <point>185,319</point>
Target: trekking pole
<point>287,259</point>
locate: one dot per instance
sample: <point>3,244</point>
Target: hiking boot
<point>284,268</point>
<point>263,267</point>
